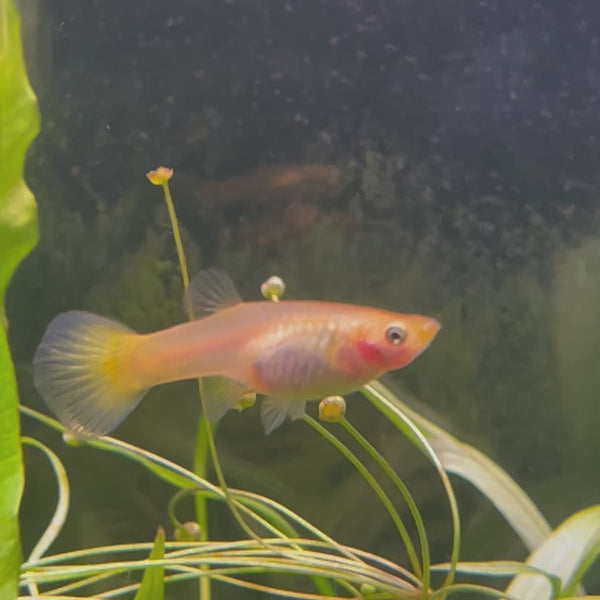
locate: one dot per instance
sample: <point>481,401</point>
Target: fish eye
<point>395,334</point>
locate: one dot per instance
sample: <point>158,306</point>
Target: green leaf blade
<point>153,581</point>
<point>566,554</point>
<point>475,467</point>
<point>19,123</point>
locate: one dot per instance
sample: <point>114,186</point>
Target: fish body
<point>268,182</point>
<point>93,371</point>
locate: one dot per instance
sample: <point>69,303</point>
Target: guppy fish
<point>93,371</point>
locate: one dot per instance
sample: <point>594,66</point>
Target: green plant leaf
<point>18,234</point>
<point>153,581</point>
<point>62,504</point>
<point>567,554</point>
<point>502,568</point>
<point>469,463</point>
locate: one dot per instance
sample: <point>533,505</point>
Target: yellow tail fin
<point>80,371</point>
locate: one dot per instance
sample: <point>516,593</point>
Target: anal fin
<point>273,412</point>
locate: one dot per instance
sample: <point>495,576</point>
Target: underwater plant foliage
<point>553,570</point>
<point>18,234</point>
<point>326,265</point>
<point>153,581</point>
<point>281,542</point>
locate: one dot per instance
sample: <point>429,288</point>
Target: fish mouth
<point>424,330</point>
<point>428,330</point>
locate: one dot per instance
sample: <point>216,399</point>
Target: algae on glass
<point>18,234</point>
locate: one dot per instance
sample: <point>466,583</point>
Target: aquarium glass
<point>437,157</point>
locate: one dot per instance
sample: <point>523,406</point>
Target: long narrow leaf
<point>153,581</point>
<point>62,505</point>
<point>567,554</point>
<point>18,234</point>
<point>469,463</point>
<point>502,568</point>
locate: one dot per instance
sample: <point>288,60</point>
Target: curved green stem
<point>373,484</point>
<point>248,502</point>
<point>469,588</point>
<point>408,498</point>
<point>200,444</point>
<point>62,504</point>
<point>374,392</point>
<point>204,436</point>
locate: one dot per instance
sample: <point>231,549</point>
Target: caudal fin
<point>80,370</point>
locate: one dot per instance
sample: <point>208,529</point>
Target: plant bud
<point>332,408</point>
<point>366,589</point>
<point>190,531</point>
<point>70,439</point>
<point>273,288</point>
<point>159,176</point>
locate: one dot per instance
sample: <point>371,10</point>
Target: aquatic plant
<point>18,234</point>
<point>277,541</point>
<point>282,542</point>
<point>291,545</point>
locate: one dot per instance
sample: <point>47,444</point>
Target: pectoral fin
<point>273,412</point>
<point>220,394</point>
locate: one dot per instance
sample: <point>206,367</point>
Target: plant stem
<point>383,497</point>
<point>412,506</point>
<point>205,442</point>
<point>201,442</point>
<point>384,401</point>
<point>199,467</point>
<point>176,237</point>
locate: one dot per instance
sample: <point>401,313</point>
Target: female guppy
<point>92,371</point>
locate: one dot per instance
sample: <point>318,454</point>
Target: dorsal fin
<point>209,292</point>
